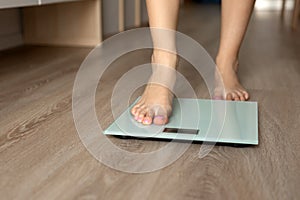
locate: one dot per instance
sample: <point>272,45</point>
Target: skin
<point>155,105</point>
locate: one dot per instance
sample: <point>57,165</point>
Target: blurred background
<point>87,22</point>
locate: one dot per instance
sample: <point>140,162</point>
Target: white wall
<point>273,4</point>
<point>10,28</point>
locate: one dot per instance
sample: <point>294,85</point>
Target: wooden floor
<point>42,157</point>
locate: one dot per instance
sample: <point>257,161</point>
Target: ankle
<point>165,76</point>
<point>165,58</point>
<point>223,62</point>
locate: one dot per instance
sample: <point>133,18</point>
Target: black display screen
<point>181,131</point>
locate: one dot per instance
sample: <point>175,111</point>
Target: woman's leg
<point>162,14</point>
<point>235,18</point>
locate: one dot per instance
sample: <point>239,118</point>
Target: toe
<point>134,110</point>
<point>241,96</point>
<point>218,94</point>
<point>246,95</point>
<point>148,118</point>
<point>229,97</point>
<point>160,119</point>
<point>136,113</point>
<point>161,114</point>
<point>235,96</point>
<point>217,98</point>
<point>141,115</point>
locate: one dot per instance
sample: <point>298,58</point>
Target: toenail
<point>139,119</point>
<point>217,98</point>
<point>160,116</point>
<point>146,121</point>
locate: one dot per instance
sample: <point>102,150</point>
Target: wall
<point>273,5</point>
<point>110,15</point>
<point>11,31</point>
<point>10,28</point>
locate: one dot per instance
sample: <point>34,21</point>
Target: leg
<point>162,14</point>
<point>235,18</point>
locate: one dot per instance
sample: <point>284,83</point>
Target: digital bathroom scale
<point>219,121</point>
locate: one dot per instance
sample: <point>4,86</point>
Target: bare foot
<point>155,105</point>
<point>232,90</point>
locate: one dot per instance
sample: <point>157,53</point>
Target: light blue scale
<point>197,120</point>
